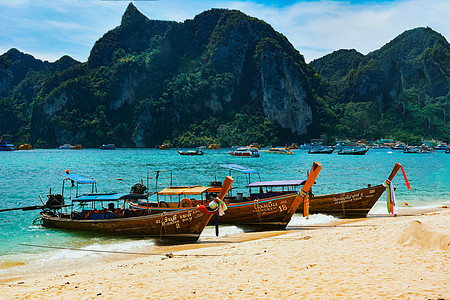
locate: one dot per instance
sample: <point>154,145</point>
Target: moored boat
<point>65,147</point>
<point>183,225</point>
<point>278,150</point>
<point>245,152</point>
<point>265,209</point>
<point>6,146</point>
<point>399,146</point>
<point>213,147</point>
<point>412,150</point>
<point>77,147</point>
<point>352,204</point>
<point>255,145</point>
<point>25,147</point>
<point>353,151</point>
<point>191,152</point>
<point>108,147</point>
<point>441,146</point>
<point>320,151</point>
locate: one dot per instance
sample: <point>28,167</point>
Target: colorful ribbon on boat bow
<point>305,197</point>
<point>388,184</point>
<point>390,202</point>
<point>219,204</point>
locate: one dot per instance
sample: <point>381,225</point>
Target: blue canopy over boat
<point>276,183</point>
<point>239,168</point>
<point>80,179</point>
<point>99,197</point>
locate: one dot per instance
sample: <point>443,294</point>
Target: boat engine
<point>215,184</point>
<point>138,188</point>
<point>54,200</point>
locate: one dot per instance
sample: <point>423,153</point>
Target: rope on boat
<point>164,177</point>
<point>38,218</point>
<point>117,252</point>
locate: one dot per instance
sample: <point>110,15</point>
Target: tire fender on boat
<point>184,201</point>
<point>163,204</point>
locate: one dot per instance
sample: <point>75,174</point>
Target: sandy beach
<point>403,257</point>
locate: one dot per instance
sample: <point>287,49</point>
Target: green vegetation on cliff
<point>223,77</point>
<point>400,91</point>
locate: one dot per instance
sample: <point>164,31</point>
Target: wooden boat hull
<point>354,204</point>
<point>266,214</point>
<point>190,153</point>
<point>248,153</point>
<point>356,152</point>
<point>328,151</point>
<point>184,225</point>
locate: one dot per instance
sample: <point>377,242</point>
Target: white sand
<point>404,257</point>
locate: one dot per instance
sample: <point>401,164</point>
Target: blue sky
<point>48,29</point>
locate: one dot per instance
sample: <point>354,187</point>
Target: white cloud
<point>317,28</point>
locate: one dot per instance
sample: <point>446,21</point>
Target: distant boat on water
<point>398,147</point>
<point>441,147</point>
<point>25,147</point>
<point>191,152</point>
<point>255,145</point>
<point>108,147</point>
<point>65,147</point>
<point>245,152</point>
<point>420,149</point>
<point>6,146</point>
<point>353,151</point>
<point>278,150</point>
<point>320,151</point>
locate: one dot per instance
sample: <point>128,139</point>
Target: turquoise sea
<point>24,175</point>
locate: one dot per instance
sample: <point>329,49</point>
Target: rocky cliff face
<point>285,93</point>
<point>157,77</point>
<point>147,81</point>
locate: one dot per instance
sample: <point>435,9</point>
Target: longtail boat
<point>191,152</point>
<point>353,204</point>
<point>263,210</point>
<point>353,151</point>
<point>268,209</point>
<point>320,151</point>
<point>184,225</point>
